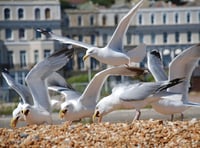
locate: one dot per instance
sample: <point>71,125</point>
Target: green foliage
<point>106,3</point>
<point>7,109</point>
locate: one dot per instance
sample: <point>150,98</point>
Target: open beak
<point>85,57</point>
<point>97,114</point>
<point>25,112</point>
<point>13,122</point>
<point>62,113</point>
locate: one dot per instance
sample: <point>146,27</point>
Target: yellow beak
<point>13,122</point>
<point>62,114</point>
<point>85,57</point>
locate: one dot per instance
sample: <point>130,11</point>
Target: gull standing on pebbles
<point>25,95</point>
<point>181,66</point>
<point>113,53</point>
<point>78,106</point>
<point>132,96</point>
<point>40,112</point>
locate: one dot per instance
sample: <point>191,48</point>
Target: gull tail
<point>191,104</point>
<point>170,84</point>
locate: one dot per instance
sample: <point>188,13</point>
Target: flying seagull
<point>113,53</point>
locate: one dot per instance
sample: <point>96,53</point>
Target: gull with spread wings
<point>181,66</point>
<point>113,53</point>
<point>78,106</point>
<point>40,111</point>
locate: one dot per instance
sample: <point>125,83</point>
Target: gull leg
<point>172,117</point>
<point>182,116</point>
<point>137,115</point>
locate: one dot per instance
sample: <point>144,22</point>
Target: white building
<point>21,45</point>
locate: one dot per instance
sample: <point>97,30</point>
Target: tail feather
<point>170,84</point>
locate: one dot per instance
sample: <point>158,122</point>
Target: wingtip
<point>155,53</point>
<point>44,31</point>
<point>5,70</point>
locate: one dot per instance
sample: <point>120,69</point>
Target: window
<point>38,35</point>
<point>36,56</point>
<point>37,14</point>
<point>105,39</point>
<point>80,38</point>
<point>128,36</point>
<point>47,13</point>
<point>152,18</point>
<point>116,19</point>
<point>188,17</point>
<point>7,14</point>
<point>141,37</point>
<point>153,38</point>
<point>94,63</point>
<point>20,13</point>
<point>165,37</point>
<point>140,19</point>
<point>176,18</point>
<point>23,58</point>
<point>164,18</point>
<point>92,39</point>
<point>91,20</point>
<point>8,34</point>
<point>21,33</point>
<point>166,57</point>
<point>104,20</point>
<point>47,53</point>
<point>80,61</point>
<point>176,37</point>
<point>189,36</point>
<point>79,21</point>
<point>10,59</point>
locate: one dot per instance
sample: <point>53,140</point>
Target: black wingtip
<point>5,70</point>
<point>156,53</point>
<point>44,31</point>
<point>66,51</point>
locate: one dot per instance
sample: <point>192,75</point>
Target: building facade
<point>169,30</point>
<point>21,46</point>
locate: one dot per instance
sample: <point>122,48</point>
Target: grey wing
<point>66,40</point>
<point>155,66</point>
<point>38,74</point>
<point>67,92</point>
<point>116,41</point>
<point>22,90</point>
<point>139,91</point>
<point>182,66</point>
<point>55,79</point>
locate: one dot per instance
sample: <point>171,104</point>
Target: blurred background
<point>169,26</point>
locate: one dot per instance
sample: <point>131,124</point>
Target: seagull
<point>25,95</point>
<point>113,53</point>
<point>129,96</point>
<point>40,111</point>
<point>77,105</point>
<point>181,66</point>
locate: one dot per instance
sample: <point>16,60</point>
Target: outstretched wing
<point>22,90</point>
<point>155,66</point>
<point>62,39</point>
<point>93,89</point>
<point>116,41</point>
<point>38,74</point>
<point>182,66</point>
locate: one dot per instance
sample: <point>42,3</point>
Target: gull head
<point>66,108</point>
<point>17,116</point>
<point>102,108</point>
<point>26,110</point>
<point>91,52</point>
